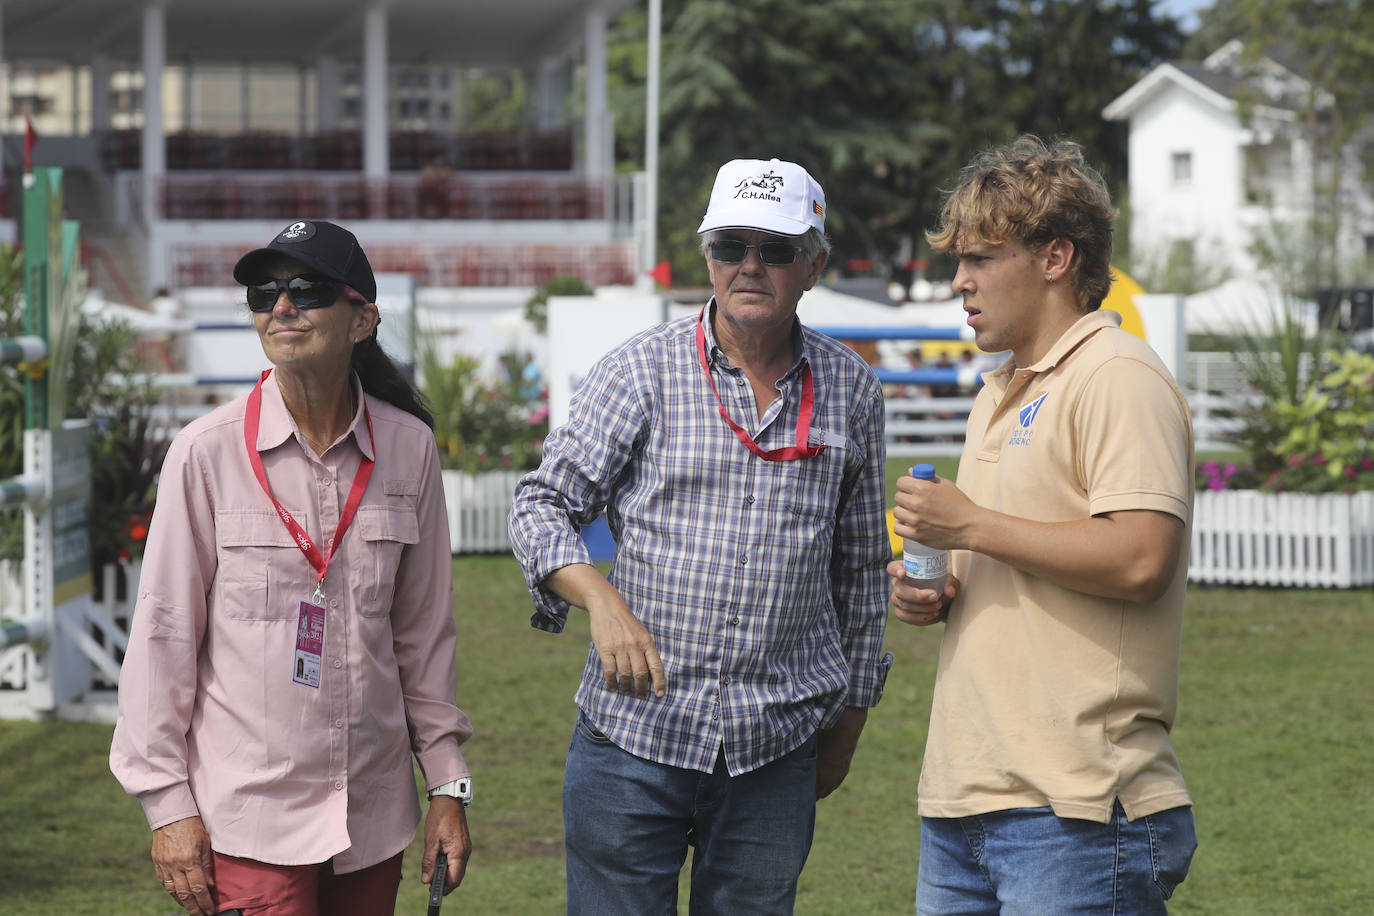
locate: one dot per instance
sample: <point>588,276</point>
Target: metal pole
<point>650,254</point>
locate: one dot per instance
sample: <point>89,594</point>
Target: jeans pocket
<point>590,731</point>
<point>1173,841</point>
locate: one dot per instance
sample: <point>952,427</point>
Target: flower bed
<point>1249,537</point>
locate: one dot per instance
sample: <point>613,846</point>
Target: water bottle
<point>926,567</point>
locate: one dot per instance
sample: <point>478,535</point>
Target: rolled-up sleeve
<point>158,680</point>
<point>572,484</point>
<point>859,558</point>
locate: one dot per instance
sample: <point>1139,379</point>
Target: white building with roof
<point>1203,174</point>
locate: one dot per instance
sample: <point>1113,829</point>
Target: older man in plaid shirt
<point>737,643</point>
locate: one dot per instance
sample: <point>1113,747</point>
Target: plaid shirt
<point>762,583</point>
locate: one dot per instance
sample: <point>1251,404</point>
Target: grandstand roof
<point>465,32</point>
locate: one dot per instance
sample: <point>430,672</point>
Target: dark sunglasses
<point>305,292</point>
<point>732,251</point>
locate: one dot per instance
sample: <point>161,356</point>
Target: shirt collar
<point>1070,340</point>
<point>275,424</point>
<point>714,354</point>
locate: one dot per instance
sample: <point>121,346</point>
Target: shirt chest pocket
<point>260,567</point>
<point>385,531</point>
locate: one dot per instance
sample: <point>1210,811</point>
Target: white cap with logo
<point>767,194</point>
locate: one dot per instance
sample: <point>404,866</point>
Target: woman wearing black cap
<point>293,642</point>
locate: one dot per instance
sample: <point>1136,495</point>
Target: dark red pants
<point>260,889</point>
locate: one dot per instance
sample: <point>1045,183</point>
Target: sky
<point>1185,10</point>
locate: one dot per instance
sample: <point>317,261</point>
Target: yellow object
<point>1121,299</point>
<point>892,537</point>
<point>35,371</point>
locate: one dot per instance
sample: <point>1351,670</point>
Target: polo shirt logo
<point>1030,410</point>
<point>1022,434</point>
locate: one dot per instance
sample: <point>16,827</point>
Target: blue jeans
<point>1029,862</point>
<point>627,823</point>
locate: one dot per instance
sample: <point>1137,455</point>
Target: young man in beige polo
<point>1049,785</point>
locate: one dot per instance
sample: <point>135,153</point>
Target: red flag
<point>662,274</point>
<point>30,137</point>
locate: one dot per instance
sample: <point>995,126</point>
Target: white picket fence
<point>1246,537</point>
<point>478,505</point>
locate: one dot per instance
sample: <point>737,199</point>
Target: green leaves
<point>883,101</point>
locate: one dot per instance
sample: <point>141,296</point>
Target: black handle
<point>436,883</point>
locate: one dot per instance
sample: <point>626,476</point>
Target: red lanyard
<point>808,400</point>
<point>355,495</point>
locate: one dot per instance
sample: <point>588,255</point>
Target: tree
<point>881,100</point>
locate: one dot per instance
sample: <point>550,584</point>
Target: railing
<point>440,265</point>
<point>286,195</point>
<point>342,150</point>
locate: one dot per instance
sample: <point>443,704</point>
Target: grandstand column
<point>596,159</point>
<point>376,154</point>
<point>154,143</point>
<point>4,91</point>
<point>100,93</point>
<point>326,93</point>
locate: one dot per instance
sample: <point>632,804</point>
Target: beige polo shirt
<point>1045,695</point>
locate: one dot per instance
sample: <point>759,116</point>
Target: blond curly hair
<point>1032,192</point>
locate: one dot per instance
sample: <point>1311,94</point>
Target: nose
<point>961,283</point>
<point>283,305</point>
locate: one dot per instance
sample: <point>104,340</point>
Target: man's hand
<point>835,749</point>
<point>936,513</point>
<point>629,658</point>
<point>185,865</point>
<point>919,607</point>
<point>446,827</point>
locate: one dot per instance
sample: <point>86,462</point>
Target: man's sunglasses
<point>732,251</point>
<point>305,292</point>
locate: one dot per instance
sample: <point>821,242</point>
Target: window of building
<point>1182,167</point>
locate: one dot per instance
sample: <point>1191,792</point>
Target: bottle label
<point>926,567</point>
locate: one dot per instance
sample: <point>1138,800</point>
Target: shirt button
<point>739,382</point>
<point>714,716</point>
<point>337,663</point>
<point>324,481</point>
<point>725,680</point>
<point>338,784</point>
<point>338,723</point>
<point>749,499</point>
<point>734,621</point>
<point>333,602</point>
<point>743,561</point>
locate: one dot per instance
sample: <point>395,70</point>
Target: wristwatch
<point>460,789</point>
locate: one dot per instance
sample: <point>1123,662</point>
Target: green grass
<point>1274,737</point>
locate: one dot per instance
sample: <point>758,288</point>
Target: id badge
<point>307,663</point>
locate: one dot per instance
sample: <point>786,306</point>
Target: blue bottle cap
<point>923,472</point>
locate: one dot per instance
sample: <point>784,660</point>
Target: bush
<point>481,425</point>
<point>1318,439</point>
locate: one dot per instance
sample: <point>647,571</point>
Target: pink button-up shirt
<point>210,720</point>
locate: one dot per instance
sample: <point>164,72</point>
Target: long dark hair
<point>383,379</point>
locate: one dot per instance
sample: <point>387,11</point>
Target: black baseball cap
<point>329,250</point>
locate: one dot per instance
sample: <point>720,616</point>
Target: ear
<point>365,320</point>
<point>1058,258</point>
<point>817,266</point>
